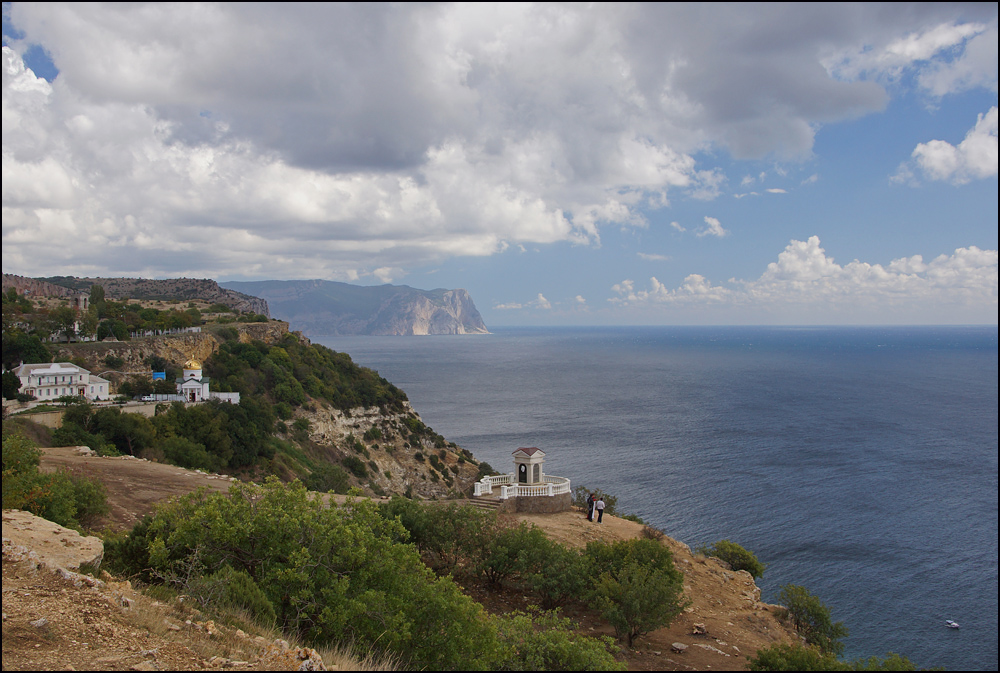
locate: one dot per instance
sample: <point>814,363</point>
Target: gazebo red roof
<point>529,450</point>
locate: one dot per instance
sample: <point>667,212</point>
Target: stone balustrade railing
<point>550,486</point>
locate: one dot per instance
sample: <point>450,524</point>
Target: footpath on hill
<point>112,627</point>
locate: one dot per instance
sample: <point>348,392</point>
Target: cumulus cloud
<point>946,57</point>
<point>805,277</point>
<point>974,158</point>
<point>539,302</point>
<point>343,140</point>
<point>712,228</point>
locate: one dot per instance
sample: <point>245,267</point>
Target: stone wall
<point>542,504</point>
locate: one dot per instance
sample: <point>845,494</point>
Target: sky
<point>567,164</point>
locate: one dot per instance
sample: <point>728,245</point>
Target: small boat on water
<point>950,624</point>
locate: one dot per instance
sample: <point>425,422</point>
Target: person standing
<point>590,507</point>
<point>600,509</point>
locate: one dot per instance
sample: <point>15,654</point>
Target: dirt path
<point>134,485</point>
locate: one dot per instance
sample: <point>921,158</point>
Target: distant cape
<point>323,307</point>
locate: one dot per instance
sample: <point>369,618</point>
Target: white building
<point>193,387</point>
<point>52,380</point>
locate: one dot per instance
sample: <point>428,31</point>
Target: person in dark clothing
<point>590,507</point>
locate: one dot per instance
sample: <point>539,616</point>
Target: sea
<point>858,462</point>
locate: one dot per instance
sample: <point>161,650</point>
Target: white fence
<point>510,489</point>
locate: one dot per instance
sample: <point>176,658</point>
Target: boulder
<point>55,546</point>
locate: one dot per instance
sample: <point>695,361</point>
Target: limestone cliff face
<point>175,348</point>
<point>397,459</point>
<point>320,307</point>
<point>409,315</point>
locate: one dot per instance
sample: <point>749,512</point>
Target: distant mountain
<point>322,307</point>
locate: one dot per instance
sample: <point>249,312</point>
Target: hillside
<point>321,307</point>
<point>731,621</point>
<point>182,289</point>
<point>306,412</point>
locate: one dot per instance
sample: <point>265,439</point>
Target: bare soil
<point>88,628</point>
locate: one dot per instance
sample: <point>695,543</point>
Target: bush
<point>547,642</point>
<point>327,477</point>
<point>736,556</point>
<point>234,590</point>
<point>812,619</point>
<point>783,657</point>
<point>332,574</point>
<point>355,466</point>
<point>637,588</point>
<point>60,497</point>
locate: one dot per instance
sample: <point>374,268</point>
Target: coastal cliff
<point>320,307</point>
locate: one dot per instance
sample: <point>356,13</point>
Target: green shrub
<point>185,453</point>
<point>784,657</point>
<point>60,497</point>
<point>326,477</point>
<point>812,619</point>
<point>736,556</point>
<point>535,641</point>
<point>234,590</point>
<point>355,466</point>
<point>332,574</point>
<point>637,588</point>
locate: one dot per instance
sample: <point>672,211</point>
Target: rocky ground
<point>57,619</point>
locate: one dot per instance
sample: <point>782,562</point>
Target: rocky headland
<point>327,308</point>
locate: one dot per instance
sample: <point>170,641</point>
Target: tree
<point>63,320</point>
<point>19,347</point>
<point>11,384</point>
<point>736,556</point>
<point>812,619</point>
<point>637,589</point>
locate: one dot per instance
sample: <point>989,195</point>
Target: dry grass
<point>346,658</point>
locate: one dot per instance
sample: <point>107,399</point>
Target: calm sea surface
<point>860,463</point>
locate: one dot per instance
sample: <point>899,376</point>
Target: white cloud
<point>541,302</point>
<point>364,137</point>
<point>579,299</point>
<point>678,227</point>
<point>973,158</point>
<point>712,228</point>
<point>804,281</point>
<point>653,257</point>
<point>777,190</point>
<point>947,57</point>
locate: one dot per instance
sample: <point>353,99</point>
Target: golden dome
<point>192,364</point>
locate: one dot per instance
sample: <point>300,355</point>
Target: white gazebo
<point>533,489</point>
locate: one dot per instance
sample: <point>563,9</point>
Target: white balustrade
<point>550,486</point>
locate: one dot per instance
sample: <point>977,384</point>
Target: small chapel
<point>527,488</point>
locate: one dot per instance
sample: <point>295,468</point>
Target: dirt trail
<point>134,485</point>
